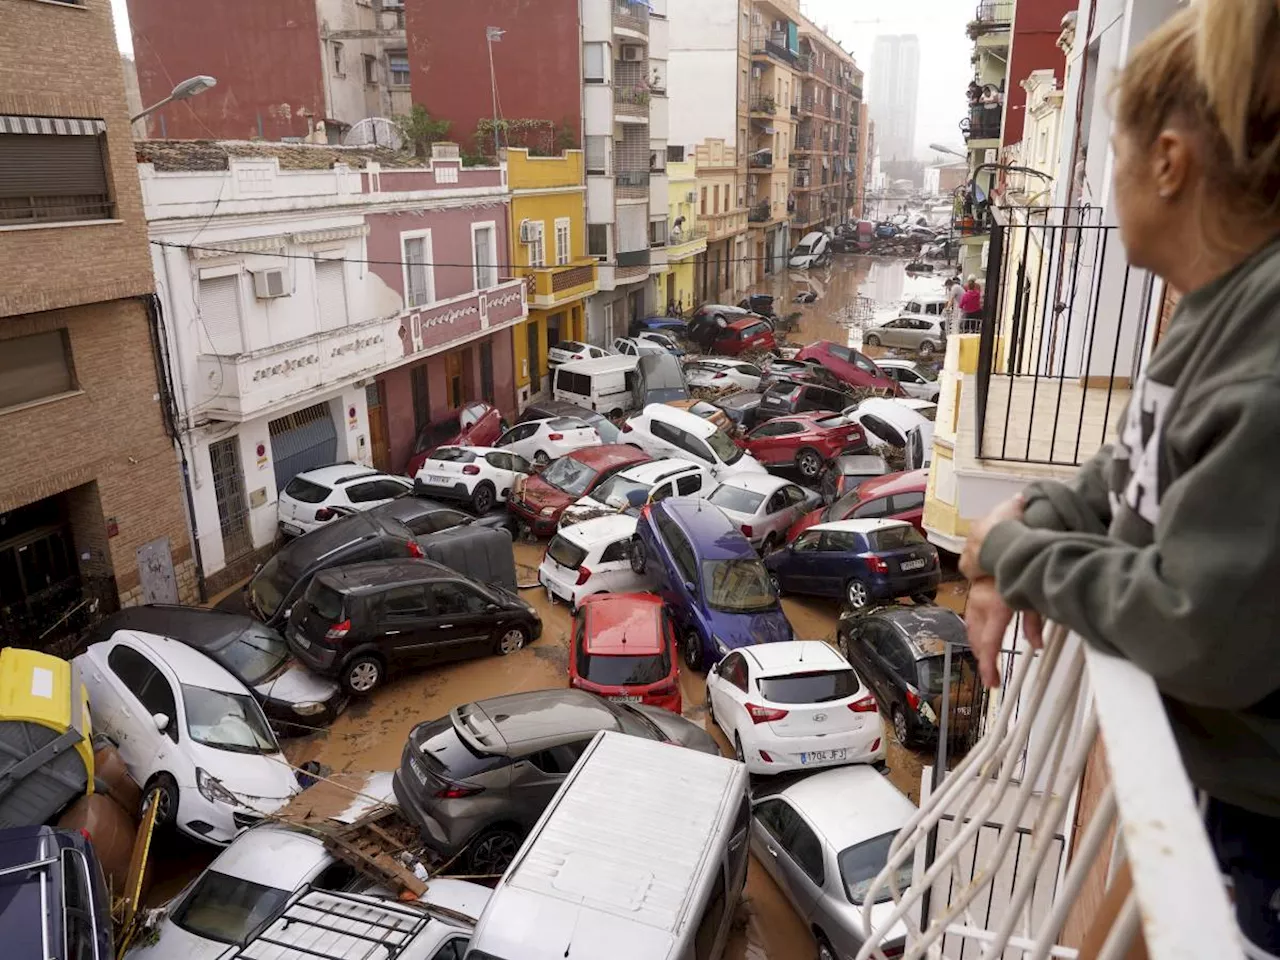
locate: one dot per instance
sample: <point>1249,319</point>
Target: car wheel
<point>924,597</point>
<point>871,340</point>
<point>362,675</point>
<point>777,583</point>
<point>771,543</point>
<point>900,729</point>
<point>825,950</point>
<point>737,749</point>
<point>856,594</point>
<point>482,499</point>
<point>637,556</point>
<point>693,650</point>
<point>164,790</point>
<point>809,463</point>
<point>927,348</point>
<point>540,459</point>
<point>511,640</point>
<point>492,851</point>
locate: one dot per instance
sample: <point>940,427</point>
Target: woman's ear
<point>1171,159</point>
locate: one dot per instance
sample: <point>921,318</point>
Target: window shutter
<point>331,291</point>
<point>220,314</point>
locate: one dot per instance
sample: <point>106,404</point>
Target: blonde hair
<point>1213,69</point>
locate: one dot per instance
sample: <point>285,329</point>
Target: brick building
<point>91,514</point>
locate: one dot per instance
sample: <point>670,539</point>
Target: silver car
<point>926,336</point>
<point>763,506</point>
<point>824,839</point>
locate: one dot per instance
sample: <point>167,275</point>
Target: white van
<point>641,855</point>
<point>606,384</point>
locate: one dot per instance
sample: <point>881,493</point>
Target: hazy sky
<point>944,51</point>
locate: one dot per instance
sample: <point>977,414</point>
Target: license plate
<point>912,564</point>
<point>819,756</point>
<point>439,481</point>
<point>927,712</point>
<point>302,641</point>
<point>290,529</point>
<point>621,699</point>
<point>418,771</point>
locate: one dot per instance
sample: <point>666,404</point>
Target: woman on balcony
<point>1165,549</point>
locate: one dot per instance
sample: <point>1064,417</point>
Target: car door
<point>695,447</point>
<point>877,656</point>
<point>463,620</point>
<point>729,693</point>
<point>518,438</point>
<point>801,563</point>
<point>797,505</point>
<point>613,569</point>
<point>505,469</point>
<point>371,493</point>
<point>838,563</point>
<point>768,442</point>
<point>909,507</point>
<point>685,576</point>
<point>537,776</point>
<point>143,691</point>
<point>790,851</point>
<point>664,439</point>
<point>404,624</point>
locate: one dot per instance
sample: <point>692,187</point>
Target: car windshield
<point>453,455</point>
<point>738,586</point>
<point>733,498</point>
<point>570,476</point>
<point>816,687</point>
<point>928,373</point>
<point>566,423</point>
<point>227,721</point>
<point>801,250</point>
<point>620,486</point>
<point>844,507</point>
<point>613,671</point>
<point>860,864</point>
<point>228,909</point>
<point>896,538</point>
<point>254,655</point>
<point>608,430</point>
<point>724,448</point>
<point>271,585</point>
<point>306,491</point>
<point>932,669</point>
<point>569,346</point>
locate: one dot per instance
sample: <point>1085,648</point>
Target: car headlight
<point>211,789</point>
<point>722,648</point>
<point>308,709</point>
<point>547,511</point>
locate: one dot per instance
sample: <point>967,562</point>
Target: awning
<point>56,125</point>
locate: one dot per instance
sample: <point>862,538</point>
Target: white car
<point>643,483</point>
<point>666,342</point>
<point>591,557</point>
<point>813,250</point>
<point>189,730</point>
<point>314,497</point>
<point>763,506</point>
<point>567,350</point>
<point>916,380</point>
<point>717,372</point>
<point>894,423</point>
<point>635,347</point>
<point>797,705</point>
<point>541,441</point>
<point>481,476</point>
<point>663,431</point>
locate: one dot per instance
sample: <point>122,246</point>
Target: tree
<point>419,131</point>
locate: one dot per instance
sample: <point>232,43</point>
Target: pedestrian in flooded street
<point>1165,548</point>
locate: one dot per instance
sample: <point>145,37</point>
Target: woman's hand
<point>970,564</point>
<point>987,618</point>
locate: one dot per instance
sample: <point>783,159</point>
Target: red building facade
<point>1036,27</point>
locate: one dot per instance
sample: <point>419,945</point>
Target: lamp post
<point>187,89</point>
<point>947,150</point>
<point>490,35</point>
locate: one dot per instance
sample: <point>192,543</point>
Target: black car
<point>256,655</point>
<point>550,409</point>
<point>898,651</point>
<point>360,622</point>
<point>789,396</point>
<point>355,539</point>
<point>740,408</point>
<point>53,898</point>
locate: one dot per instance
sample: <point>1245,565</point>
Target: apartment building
<point>687,243</point>
<point>91,513</point>
<point>334,303</point>
<point>727,269</point>
<point>895,89</point>
<point>286,69</point>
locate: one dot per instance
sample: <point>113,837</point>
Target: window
<point>77,908</point>
<point>795,837</point>
<point>486,255</point>
<point>703,206</point>
<point>376,490</point>
<point>902,502</point>
<point>331,293</point>
<point>34,367</point>
<point>337,60</point>
<point>558,761</point>
<point>658,232</point>
<point>419,282</point>
<point>598,240</point>
<point>708,932</point>
<point>715,198</point>
<point>597,154</point>
<point>885,431</point>
<point>398,68</point>
<point>616,552</point>
<point>220,314</point>
<point>452,949</point>
<point>457,599</point>
<point>734,671</point>
<point>406,601</point>
<point>538,245</point>
<point>872,509</point>
<point>421,397</point>
<point>675,154</point>
<point>593,63</point>
<point>54,170</point>
<point>841,541</point>
<point>564,248</point>
<point>370,68</point>
<point>807,542</point>
<point>688,486</point>
<point>682,554</point>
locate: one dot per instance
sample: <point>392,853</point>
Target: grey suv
<point>478,779</point>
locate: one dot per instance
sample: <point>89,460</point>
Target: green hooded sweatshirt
<point>1165,548</point>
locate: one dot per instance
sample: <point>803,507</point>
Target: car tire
<point>510,640</point>
<point>927,348</point>
<point>540,459</point>
<point>856,594</point>
<point>901,730</point>
<point>492,850</point>
<point>825,950</point>
<point>771,543</point>
<point>639,560</point>
<point>924,597</point>
<point>691,646</point>
<point>165,790</point>
<point>363,674</point>
<point>871,340</point>
<point>482,498</point>
<point>777,584</point>
<point>809,463</point>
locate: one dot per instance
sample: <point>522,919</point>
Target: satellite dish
<point>374,132</point>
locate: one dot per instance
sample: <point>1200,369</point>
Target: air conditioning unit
<point>530,231</point>
<point>691,196</point>
<point>269,283</point>
<point>632,54</point>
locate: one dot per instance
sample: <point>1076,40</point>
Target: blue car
<point>713,583</point>
<point>860,561</point>
<point>670,325</point>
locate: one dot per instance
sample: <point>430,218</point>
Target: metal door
<point>228,493</point>
<point>155,571</point>
<point>303,440</point>
<point>379,444</point>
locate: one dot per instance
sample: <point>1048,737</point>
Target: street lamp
<point>184,91</point>
<point>941,149</point>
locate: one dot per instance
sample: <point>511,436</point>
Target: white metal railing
<point>1028,767</point>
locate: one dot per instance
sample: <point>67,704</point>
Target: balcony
<point>631,17</point>
<point>631,104</point>
<point>983,123</point>
<point>684,243</point>
<point>803,180</point>
<point>856,90</point>
<point>772,44</point>
<point>761,160</point>
<point>804,143</point>
<point>721,225</point>
<point>631,185</point>
<point>994,13</point>
<point>764,104</point>
<point>761,212</point>
<point>805,62</point>
<point>552,286</point>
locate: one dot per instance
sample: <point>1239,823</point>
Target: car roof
<point>849,805</point>
<point>765,483</point>
<point>906,481</point>
<point>338,473</point>
<point>793,656</point>
<point>713,535</point>
<point>652,471</point>
<point>598,529</point>
<point>274,856</point>
<point>860,526</point>
<point>721,361</point>
<point>623,624</point>
<point>375,575</point>
<point>607,455</point>
<point>861,463</point>
<point>683,419</point>
<point>333,536</point>
<point>522,722</point>
<point>743,398</point>
<point>899,414</point>
<point>196,626</point>
<point>915,403</point>
<point>897,362</point>
<point>479,451</point>
<point>743,323</point>
<point>559,408</point>
<point>928,628</point>
<point>812,236</point>
<point>610,364</point>
<point>187,663</point>
<point>407,508</point>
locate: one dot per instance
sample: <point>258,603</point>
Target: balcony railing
<point>631,101</point>
<point>631,184</point>
<point>764,104</point>
<point>628,15</point>
<point>1079,730</point>
<point>772,44</point>
<point>762,160</point>
<point>994,12</point>
<point>551,285</point>
<point>804,141</point>
<point>805,62</point>
<point>983,122</point>
<point>761,212</point>
<point>856,90</point>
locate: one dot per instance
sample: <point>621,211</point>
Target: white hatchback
<point>188,730</point>
<point>567,350</point>
<point>481,476</point>
<point>797,705</point>
<point>663,431</point>
<point>763,506</point>
<point>640,484</point>
<point>541,441</point>
<point>916,380</point>
<point>635,347</point>
<point>722,372</point>
<point>314,497</point>
<point>591,557</point>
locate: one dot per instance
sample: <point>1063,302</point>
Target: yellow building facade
<point>686,239</point>
<point>549,249</point>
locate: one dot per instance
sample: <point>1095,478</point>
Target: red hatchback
<point>895,496</point>
<point>544,497</point>
<point>850,366</point>
<point>807,441</point>
<point>749,333</point>
<point>624,649</point>
<point>477,424</point>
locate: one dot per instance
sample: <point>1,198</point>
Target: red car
<point>541,500</point>
<point>749,333</point>
<point>809,441</point>
<point>895,496</point>
<point>477,424</point>
<point>850,366</point>
<point>624,649</point>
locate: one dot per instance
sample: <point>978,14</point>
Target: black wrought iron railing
<point>995,12</point>
<point>983,122</point>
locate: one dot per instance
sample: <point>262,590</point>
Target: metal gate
<point>228,492</point>
<point>155,571</point>
<point>303,440</point>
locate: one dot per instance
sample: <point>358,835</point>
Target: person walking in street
<point>1165,548</point>
<point>971,307</point>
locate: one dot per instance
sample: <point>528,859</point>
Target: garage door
<point>303,440</point>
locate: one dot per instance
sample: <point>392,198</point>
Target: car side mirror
<point>491,608</point>
<point>161,721</point>
<point>690,587</point>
